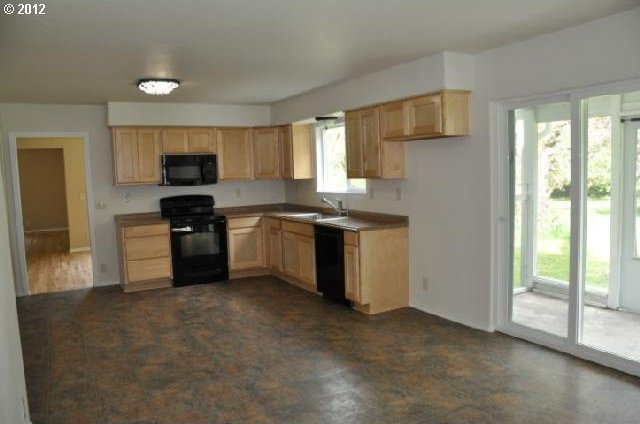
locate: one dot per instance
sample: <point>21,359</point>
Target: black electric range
<point>198,239</point>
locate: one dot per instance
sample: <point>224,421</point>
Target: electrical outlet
<point>398,194</point>
<point>104,268</point>
<point>425,284</point>
<point>238,192</point>
<point>101,204</point>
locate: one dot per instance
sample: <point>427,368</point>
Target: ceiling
<point>251,51</point>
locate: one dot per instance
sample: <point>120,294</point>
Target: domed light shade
<point>158,87</point>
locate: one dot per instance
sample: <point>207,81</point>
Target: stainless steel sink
<point>319,216</point>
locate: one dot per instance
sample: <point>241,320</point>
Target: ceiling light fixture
<point>158,86</point>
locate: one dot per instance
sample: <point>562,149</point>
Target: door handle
<point>186,229</point>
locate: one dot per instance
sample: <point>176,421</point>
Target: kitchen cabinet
<point>202,140</point>
<point>274,235</point>
<point>175,140</point>
<point>297,152</point>
<point>376,268</point>
<point>245,243</point>
<point>266,152</point>
<point>145,256</point>
<point>367,155</point>
<point>235,154</point>
<point>298,251</point>
<point>436,115</point>
<point>136,155</point>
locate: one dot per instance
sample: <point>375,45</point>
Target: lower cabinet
<point>274,235</point>
<point>145,256</point>
<point>353,289</point>
<point>298,252</point>
<point>246,243</point>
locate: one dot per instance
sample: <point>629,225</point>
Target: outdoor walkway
<point>605,329</point>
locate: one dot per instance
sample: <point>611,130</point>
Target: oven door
<point>199,252</point>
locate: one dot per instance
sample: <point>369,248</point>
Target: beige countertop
<point>355,221</point>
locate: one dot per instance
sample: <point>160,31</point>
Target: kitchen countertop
<point>355,221</point>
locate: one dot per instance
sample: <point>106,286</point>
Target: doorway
<point>52,194</point>
<point>574,227</point>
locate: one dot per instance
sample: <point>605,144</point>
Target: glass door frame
<point>502,223</point>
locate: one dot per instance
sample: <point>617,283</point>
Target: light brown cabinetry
<point>266,152</point>
<point>296,144</point>
<point>246,243</point>
<point>367,155</point>
<point>145,256</point>
<point>441,114</point>
<point>298,252</point>
<point>274,243</point>
<point>136,155</point>
<point>235,154</point>
<point>376,266</point>
<point>202,140</point>
<point>175,140</point>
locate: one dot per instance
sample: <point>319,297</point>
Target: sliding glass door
<point>574,234</point>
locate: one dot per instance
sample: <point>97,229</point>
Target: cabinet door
<point>302,153</point>
<point>290,262</point>
<point>235,154</point>
<point>175,140</point>
<point>202,140</point>
<point>370,130</point>
<point>424,115</point>
<point>125,155</point>
<point>149,150</point>
<point>266,153</point>
<point>392,120</point>
<point>245,248</point>
<point>306,259</point>
<point>352,273</point>
<point>275,249</point>
<point>286,149</point>
<point>355,155</point>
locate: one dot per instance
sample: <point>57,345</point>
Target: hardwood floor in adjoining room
<point>258,350</point>
<point>50,265</point>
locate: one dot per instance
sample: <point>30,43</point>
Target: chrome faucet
<point>338,206</point>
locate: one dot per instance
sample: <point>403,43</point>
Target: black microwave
<point>189,170</point>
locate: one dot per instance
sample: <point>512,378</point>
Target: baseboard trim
<point>46,230</point>
<point>105,283</point>
<point>80,249</point>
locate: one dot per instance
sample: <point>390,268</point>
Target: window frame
<point>321,164</point>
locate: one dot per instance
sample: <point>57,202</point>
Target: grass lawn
<point>553,242</point>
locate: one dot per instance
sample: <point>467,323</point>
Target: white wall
<point>13,394</point>
<point>447,194</point>
<point>131,113</point>
<point>93,120</point>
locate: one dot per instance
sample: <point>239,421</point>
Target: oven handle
<point>187,229</point>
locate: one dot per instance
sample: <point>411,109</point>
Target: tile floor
<point>258,350</point>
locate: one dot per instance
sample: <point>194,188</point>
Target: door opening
<point>52,193</point>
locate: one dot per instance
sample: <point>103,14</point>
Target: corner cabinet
<point>441,114</point>
<point>136,155</point>
<point>245,243</point>
<point>367,155</point>
<point>235,154</point>
<point>297,152</point>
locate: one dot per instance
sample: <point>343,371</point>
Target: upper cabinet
<point>297,151</point>
<point>235,154</point>
<point>189,140</point>
<point>441,114</point>
<point>136,154</point>
<point>266,153</point>
<point>368,156</point>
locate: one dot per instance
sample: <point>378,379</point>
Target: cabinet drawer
<point>248,222</point>
<point>147,247</point>
<point>298,228</point>
<point>147,230</point>
<point>350,238</point>
<point>148,269</point>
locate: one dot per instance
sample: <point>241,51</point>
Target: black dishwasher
<point>330,263</point>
